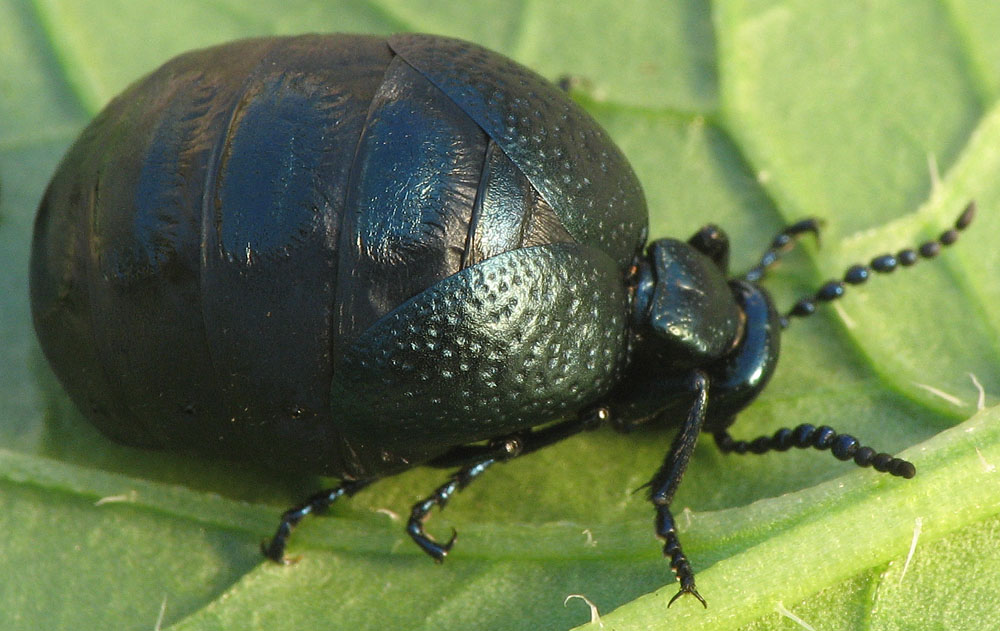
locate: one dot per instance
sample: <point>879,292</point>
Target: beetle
<point>353,255</point>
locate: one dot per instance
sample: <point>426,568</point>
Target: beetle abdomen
<point>185,252</point>
<point>230,226</point>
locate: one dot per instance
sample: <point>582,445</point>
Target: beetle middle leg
<point>318,503</point>
<point>475,459</point>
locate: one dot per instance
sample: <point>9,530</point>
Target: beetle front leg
<point>664,484</point>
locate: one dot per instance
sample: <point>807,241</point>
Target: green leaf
<point>879,116</point>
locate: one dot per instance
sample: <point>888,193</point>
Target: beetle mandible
<point>352,255</point>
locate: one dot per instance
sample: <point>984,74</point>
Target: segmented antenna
<point>843,447</point>
<point>883,264</point>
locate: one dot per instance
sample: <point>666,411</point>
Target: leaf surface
<point>880,117</point>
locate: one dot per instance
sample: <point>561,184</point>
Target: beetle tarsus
<point>679,563</point>
<point>688,590</point>
<point>318,503</point>
<point>783,242</point>
<point>420,511</point>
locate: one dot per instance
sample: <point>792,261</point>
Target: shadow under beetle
<point>351,255</point>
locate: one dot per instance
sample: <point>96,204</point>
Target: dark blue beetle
<point>352,255</point>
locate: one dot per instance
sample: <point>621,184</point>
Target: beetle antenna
<point>883,264</point>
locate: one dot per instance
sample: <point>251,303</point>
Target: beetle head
<point>687,315</point>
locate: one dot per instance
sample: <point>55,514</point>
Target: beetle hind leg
<point>316,504</point>
<point>843,447</point>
